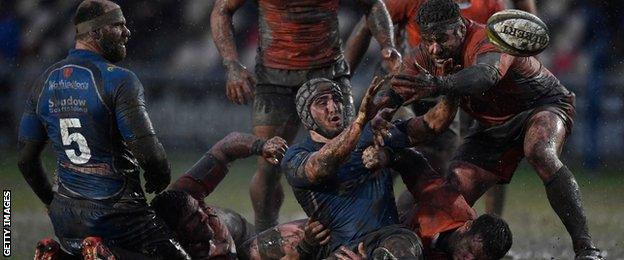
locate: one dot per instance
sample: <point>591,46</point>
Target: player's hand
<point>415,87</point>
<point>239,84</point>
<point>315,234</point>
<point>345,253</point>
<point>375,158</point>
<point>155,182</point>
<point>274,149</point>
<point>392,59</point>
<point>381,125</point>
<point>368,108</point>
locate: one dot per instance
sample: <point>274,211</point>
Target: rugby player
<point>299,40</point>
<point>330,182</point>
<point>94,114</point>
<point>521,108</point>
<point>447,225</point>
<point>208,232</point>
<point>205,232</point>
<point>439,150</point>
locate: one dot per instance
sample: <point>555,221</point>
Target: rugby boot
<point>93,248</point>
<point>47,249</point>
<point>591,253</point>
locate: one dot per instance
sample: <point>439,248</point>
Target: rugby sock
<point>565,199</point>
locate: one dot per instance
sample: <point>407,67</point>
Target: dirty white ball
<point>518,33</point>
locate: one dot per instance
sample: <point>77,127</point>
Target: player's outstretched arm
<point>324,162</point>
<point>29,163</point>
<point>239,81</point>
<point>435,121</point>
<point>380,25</point>
<point>240,145</point>
<point>411,164</point>
<point>489,69</point>
<point>201,179</point>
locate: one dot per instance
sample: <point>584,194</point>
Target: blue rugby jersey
<point>78,104</point>
<point>355,201</point>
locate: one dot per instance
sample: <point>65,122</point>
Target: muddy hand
<point>239,84</point>
<point>274,150</point>
<point>393,60</point>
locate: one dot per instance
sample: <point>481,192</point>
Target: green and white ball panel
<point>518,33</point>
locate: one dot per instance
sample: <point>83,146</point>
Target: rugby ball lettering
<point>518,33</point>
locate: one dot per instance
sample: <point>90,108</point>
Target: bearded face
<point>113,41</point>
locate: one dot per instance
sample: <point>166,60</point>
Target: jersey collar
<point>86,54</point>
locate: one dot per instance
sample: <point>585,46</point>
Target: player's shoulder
<point>306,145</point>
<point>476,34</point>
<point>402,9</point>
<point>114,72</point>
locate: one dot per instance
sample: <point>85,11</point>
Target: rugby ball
<point>518,33</point>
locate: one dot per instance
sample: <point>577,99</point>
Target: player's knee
<point>543,157</point>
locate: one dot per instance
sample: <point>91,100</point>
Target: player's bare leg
<point>543,141</point>
<point>265,189</point>
<point>494,199</point>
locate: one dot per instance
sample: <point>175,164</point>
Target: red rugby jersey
<point>405,12</point>
<point>525,82</point>
<point>298,34</point>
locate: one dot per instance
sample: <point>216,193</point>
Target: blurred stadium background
<point>173,53</point>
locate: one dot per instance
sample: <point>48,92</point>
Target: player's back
<point>74,100</point>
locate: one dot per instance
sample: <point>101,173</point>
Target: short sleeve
<point>30,127</point>
<point>293,166</point>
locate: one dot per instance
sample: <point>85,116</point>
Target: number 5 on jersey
<point>68,139</point>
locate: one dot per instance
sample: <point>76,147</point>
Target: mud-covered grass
<point>538,234</point>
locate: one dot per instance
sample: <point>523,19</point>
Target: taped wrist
<point>256,147</point>
<point>565,199</point>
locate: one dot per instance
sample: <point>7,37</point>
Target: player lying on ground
<point>95,116</point>
<point>441,217</point>
<point>521,108</point>
<point>298,41</point>
<point>206,232</point>
<point>447,225</point>
<point>331,183</point>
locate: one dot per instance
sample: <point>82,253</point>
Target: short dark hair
<point>171,206</point>
<point>88,11</point>
<point>495,234</point>
<point>434,11</point>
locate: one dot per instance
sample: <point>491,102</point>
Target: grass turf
<point>538,234</point>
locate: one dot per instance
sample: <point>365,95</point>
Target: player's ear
<point>96,34</point>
